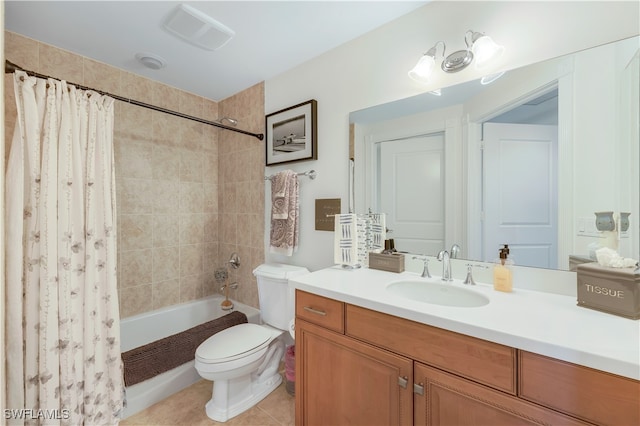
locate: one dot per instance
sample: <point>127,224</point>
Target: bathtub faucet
<point>233,286</point>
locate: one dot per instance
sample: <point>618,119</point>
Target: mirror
<point>448,169</point>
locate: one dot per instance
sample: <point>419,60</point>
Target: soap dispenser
<point>502,274</point>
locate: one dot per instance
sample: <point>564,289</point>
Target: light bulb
<point>423,69</point>
<point>484,50</point>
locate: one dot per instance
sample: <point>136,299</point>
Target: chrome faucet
<point>443,257</point>
<point>425,269</point>
<point>469,279</point>
<point>455,251</point>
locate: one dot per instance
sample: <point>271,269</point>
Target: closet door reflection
<point>520,192</point>
<point>411,191</point>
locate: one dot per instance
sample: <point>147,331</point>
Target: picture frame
<point>291,134</point>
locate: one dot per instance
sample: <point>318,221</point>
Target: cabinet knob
<point>418,388</point>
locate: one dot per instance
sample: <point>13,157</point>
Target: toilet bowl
<point>243,361</point>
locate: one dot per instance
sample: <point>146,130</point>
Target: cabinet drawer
<point>484,362</point>
<point>319,310</point>
<point>582,392</point>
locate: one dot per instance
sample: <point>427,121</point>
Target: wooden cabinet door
<point>340,381</point>
<point>452,400</point>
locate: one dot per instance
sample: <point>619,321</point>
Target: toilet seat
<point>239,341</point>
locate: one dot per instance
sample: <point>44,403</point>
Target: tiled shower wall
<point>188,193</point>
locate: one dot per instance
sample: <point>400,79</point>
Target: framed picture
<point>291,134</point>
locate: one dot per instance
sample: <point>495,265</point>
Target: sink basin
<point>437,294</point>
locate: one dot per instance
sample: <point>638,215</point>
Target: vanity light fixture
<point>480,48</point>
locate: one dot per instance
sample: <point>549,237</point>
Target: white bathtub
<point>148,327</point>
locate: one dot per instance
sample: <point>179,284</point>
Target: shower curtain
<point>62,318</point>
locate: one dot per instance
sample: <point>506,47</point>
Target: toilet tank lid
<point>279,271</point>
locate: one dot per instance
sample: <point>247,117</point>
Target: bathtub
<point>148,327</point>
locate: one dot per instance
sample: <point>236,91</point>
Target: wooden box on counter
<point>393,262</point>
<point>612,290</point>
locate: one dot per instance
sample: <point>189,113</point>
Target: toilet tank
<point>276,298</point>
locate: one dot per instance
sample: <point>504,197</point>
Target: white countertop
<point>543,323</point>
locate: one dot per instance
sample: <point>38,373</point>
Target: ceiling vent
<point>198,28</point>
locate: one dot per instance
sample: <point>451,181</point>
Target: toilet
<point>243,361</point>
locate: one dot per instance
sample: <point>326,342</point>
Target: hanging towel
<point>284,213</point>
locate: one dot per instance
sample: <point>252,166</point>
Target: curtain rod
<point>10,67</point>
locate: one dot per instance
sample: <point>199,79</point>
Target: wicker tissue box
<point>393,262</point>
<point>612,290</point>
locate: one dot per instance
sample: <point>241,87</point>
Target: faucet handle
<point>469,279</point>
<point>425,269</point>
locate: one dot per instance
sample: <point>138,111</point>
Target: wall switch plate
<point>326,209</point>
<point>586,227</point>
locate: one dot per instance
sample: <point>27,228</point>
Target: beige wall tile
<point>166,230</point>
<point>136,87</point>
<point>229,225</point>
<point>101,76</point>
<point>191,166</point>
<point>192,135</point>
<point>211,199</point>
<point>166,293</point>
<point>59,63</point>
<point>10,115</point>
<point>229,198</point>
<point>21,51</point>
<point>210,168</point>
<point>243,197</point>
<point>136,268</point>
<point>165,163</point>
<point>166,263</point>
<point>191,197</point>
<point>166,196</point>
<point>191,228</point>
<point>133,158</point>
<point>210,135</point>
<point>132,122</point>
<point>135,231</point>
<point>135,300</point>
<point>191,104</point>
<point>211,260</point>
<point>191,287</point>
<point>211,228</point>
<point>135,196</point>
<point>191,259</point>
<point>166,129</point>
<point>165,96</point>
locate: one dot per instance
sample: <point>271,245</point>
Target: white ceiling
<point>270,36</point>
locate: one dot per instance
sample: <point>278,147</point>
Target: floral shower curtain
<point>62,318</point>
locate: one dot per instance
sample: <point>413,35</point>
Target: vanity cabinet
<point>355,366</point>
<point>343,381</point>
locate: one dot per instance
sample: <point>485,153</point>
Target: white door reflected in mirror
<point>411,191</point>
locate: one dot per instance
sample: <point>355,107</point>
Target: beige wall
<point>188,194</point>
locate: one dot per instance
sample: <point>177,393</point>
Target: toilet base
<point>236,395</point>
<point>233,397</point>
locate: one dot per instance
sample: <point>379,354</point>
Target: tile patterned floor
<point>187,408</point>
